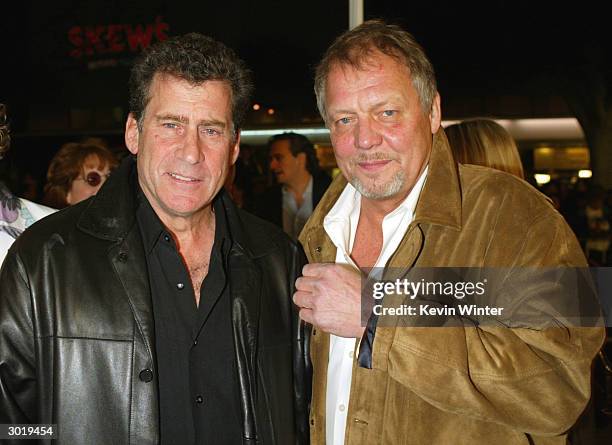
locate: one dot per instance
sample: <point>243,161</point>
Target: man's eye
<point>344,121</point>
<point>389,113</point>
<point>211,131</point>
<point>170,125</point>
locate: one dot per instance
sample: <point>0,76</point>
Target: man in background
<point>300,183</point>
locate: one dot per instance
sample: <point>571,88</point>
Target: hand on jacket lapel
<point>329,298</point>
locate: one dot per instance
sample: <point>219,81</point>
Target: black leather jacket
<point>76,326</point>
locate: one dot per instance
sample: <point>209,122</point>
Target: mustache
<point>373,157</point>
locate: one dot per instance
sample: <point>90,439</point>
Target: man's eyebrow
<point>213,123</point>
<point>341,111</point>
<point>185,120</point>
<point>380,104</point>
<point>172,117</point>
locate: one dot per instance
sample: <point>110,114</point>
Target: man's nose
<point>190,150</point>
<point>366,134</point>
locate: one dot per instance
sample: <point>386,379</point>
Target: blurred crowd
<point>586,207</point>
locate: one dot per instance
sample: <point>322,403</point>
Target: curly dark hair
<point>299,143</point>
<point>5,137</point>
<point>195,58</point>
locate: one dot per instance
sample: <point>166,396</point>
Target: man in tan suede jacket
<point>401,202</point>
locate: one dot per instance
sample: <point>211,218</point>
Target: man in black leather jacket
<point>156,311</point>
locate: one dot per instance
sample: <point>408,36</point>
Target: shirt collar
<point>409,204</point>
<point>307,191</point>
<point>341,221</point>
<point>152,229</point>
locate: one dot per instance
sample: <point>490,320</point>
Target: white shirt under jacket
<point>341,225</point>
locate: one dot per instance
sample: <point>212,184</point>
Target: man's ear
<point>235,149</point>
<point>301,157</point>
<point>435,115</point>
<point>131,134</point>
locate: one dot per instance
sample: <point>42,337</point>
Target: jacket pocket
<point>92,390</point>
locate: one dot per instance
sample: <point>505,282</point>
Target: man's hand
<point>329,298</point>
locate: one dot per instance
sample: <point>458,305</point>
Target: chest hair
<point>368,244</point>
<point>198,262</point>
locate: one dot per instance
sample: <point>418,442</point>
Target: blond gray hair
<point>356,47</point>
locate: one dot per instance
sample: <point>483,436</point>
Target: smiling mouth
<point>182,178</point>
<point>374,164</point>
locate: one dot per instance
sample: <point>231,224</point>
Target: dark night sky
<point>279,40</point>
<point>481,50</point>
<point>492,47</point>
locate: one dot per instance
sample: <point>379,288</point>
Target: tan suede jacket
<point>464,385</point>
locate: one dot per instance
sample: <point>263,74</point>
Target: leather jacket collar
<point>111,213</point>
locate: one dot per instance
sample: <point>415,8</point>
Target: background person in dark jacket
<point>301,183</point>
<point>156,311</point>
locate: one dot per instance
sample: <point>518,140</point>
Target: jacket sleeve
<point>533,380</point>
<point>17,356</point>
<point>302,367</point>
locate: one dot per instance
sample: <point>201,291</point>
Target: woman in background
<point>484,142</point>
<point>76,172</point>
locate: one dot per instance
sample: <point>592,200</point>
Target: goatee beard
<point>380,191</point>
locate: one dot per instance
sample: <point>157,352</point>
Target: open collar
<point>439,203</point>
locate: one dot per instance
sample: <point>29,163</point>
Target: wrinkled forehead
<point>161,80</point>
<point>368,59</point>
<point>346,80</point>
<point>170,93</point>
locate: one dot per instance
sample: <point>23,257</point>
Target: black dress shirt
<point>198,385</point>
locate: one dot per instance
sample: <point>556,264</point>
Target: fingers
<point>315,269</point>
<point>303,299</point>
<point>305,284</point>
<point>309,270</point>
<point>320,270</point>
<point>307,315</point>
